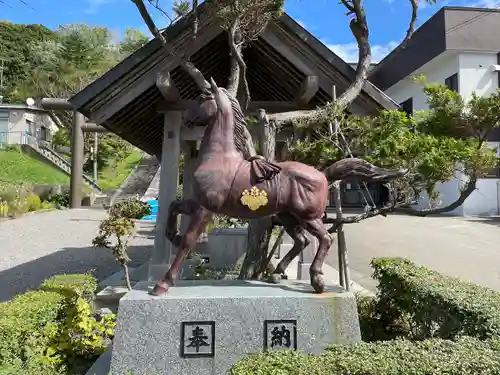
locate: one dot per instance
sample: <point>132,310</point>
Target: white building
<point>20,124</point>
<point>458,47</point>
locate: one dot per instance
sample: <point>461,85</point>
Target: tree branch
<point>359,28</point>
<point>235,45</point>
<point>197,76</point>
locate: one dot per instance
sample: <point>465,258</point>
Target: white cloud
<point>349,52</point>
<point>485,4</point>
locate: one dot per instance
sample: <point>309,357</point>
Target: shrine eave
<point>287,69</point>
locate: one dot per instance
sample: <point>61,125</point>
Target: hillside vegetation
<point>17,168</point>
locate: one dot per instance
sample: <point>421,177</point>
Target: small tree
<point>116,231</point>
<point>434,145</point>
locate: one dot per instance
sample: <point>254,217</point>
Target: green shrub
<point>79,285</point>
<point>44,329</point>
<point>131,208</point>
<point>423,303</point>
<point>8,194</point>
<point>4,209</point>
<point>28,326</point>
<point>18,207</point>
<point>466,356</point>
<point>60,200</point>
<point>33,202</point>
<point>81,335</point>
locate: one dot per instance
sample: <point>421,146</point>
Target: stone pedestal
<point>204,327</point>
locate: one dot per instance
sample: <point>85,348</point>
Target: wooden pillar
<point>76,179</point>
<point>190,152</point>
<point>169,175</point>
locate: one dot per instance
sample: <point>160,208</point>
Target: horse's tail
<point>355,169</point>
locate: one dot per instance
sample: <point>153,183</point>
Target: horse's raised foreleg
<point>318,230</point>
<point>296,231</point>
<point>176,208</point>
<point>199,220</point>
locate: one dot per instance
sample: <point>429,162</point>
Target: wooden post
<point>160,260</point>
<point>76,179</point>
<point>344,277</point>
<point>259,230</point>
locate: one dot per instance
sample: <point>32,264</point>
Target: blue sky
<point>388,19</point>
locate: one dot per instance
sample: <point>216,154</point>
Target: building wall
<point>22,121</point>
<point>436,71</point>
<point>475,74</point>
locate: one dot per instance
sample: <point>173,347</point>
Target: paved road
<point>461,247</point>
<point>35,247</point>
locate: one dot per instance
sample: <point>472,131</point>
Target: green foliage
<point>42,331</point>
<point>72,285</point>
<point>117,169</point>
<point>433,144</point>
<point>425,303</point>
<point>33,202</point>
<point>116,230</point>
<point>59,200</point>
<point>28,324</point>
<point>131,208</point>
<point>17,168</point>
<point>14,48</point>
<point>132,41</point>
<point>436,357</point>
<point>18,200</point>
<point>61,138</point>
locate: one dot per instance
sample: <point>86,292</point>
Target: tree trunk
<point>259,231</point>
<point>464,194</point>
<point>126,276</point>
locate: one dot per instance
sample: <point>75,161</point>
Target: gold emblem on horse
<point>254,198</point>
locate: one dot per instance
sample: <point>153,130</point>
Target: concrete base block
<point>109,297</point>
<point>204,327</point>
<point>101,366</point>
<point>116,279</point>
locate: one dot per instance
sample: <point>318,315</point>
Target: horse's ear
<point>213,85</point>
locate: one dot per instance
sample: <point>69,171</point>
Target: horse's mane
<point>242,138</point>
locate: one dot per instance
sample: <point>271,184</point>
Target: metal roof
<point>125,100</point>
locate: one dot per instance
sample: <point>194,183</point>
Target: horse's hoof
<point>318,283</point>
<point>159,289</point>
<point>274,278</point>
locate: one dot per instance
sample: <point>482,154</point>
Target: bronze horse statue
<point>225,182</point>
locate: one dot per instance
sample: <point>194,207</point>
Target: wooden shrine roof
<point>127,101</point>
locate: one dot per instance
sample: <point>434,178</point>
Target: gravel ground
<point>35,247</point>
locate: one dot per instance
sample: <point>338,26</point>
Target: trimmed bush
<point>43,330</point>
<point>80,285</point>
<point>466,356</point>
<point>420,303</point>
<point>28,325</point>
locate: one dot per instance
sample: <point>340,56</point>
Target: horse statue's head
<point>204,110</point>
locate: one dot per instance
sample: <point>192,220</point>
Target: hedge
<point>44,329</point>
<point>27,325</point>
<point>425,304</point>
<point>466,356</point>
<point>79,285</point>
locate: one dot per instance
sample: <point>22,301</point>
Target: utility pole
<point>96,141</point>
<point>2,67</point>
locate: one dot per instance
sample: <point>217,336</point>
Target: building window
<point>452,82</point>
<point>407,106</point>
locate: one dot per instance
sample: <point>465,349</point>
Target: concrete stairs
<point>52,157</point>
<point>139,180</point>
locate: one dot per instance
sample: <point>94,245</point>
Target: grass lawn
<point>17,168</point>
<point>114,174</point>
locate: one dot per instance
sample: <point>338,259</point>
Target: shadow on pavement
<point>69,260</point>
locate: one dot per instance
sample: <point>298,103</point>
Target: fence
<point>12,138</point>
